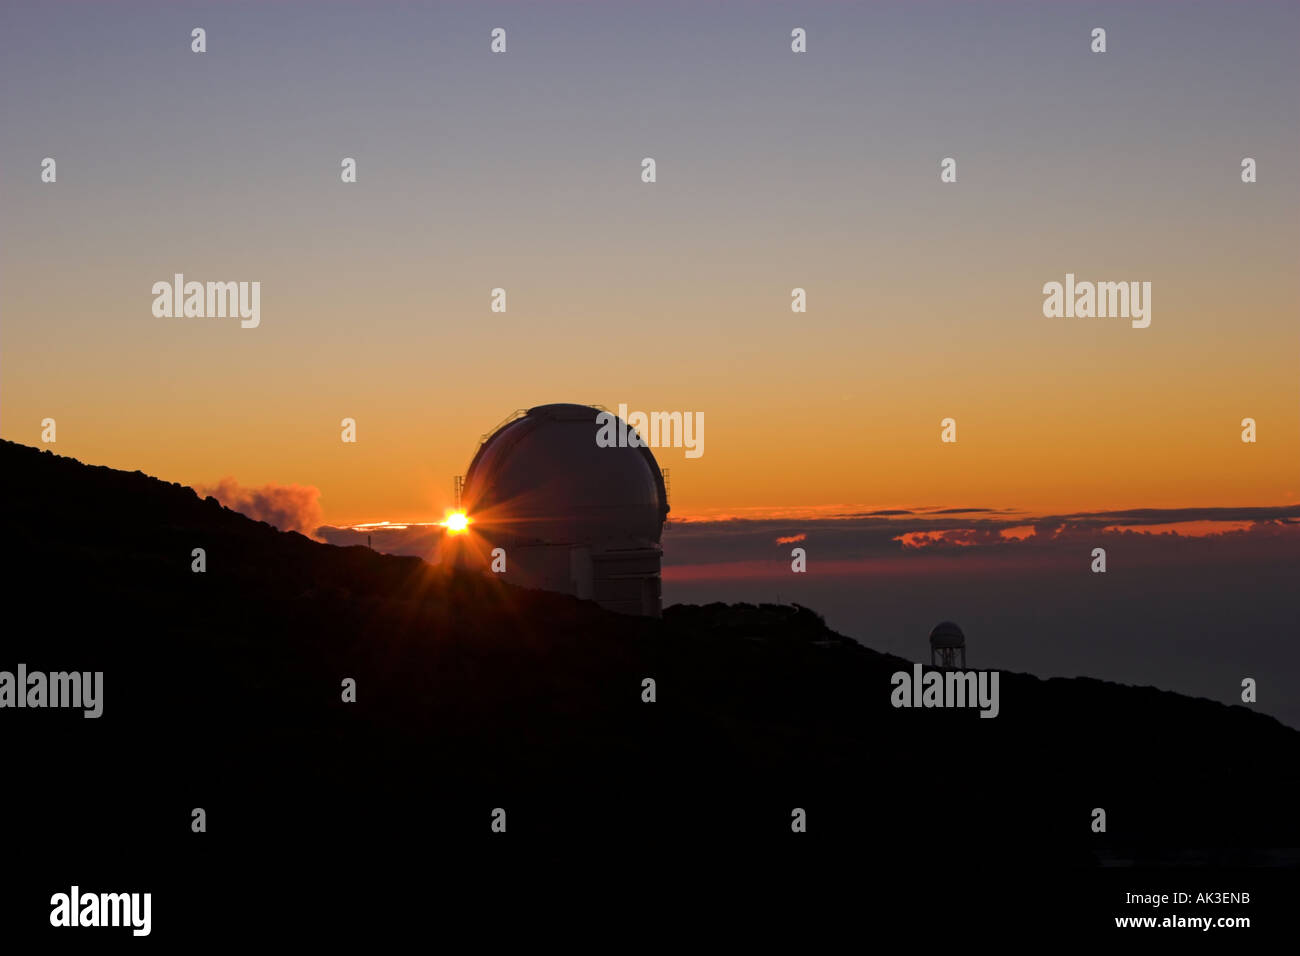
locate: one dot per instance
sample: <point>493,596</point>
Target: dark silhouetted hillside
<point>222,691</point>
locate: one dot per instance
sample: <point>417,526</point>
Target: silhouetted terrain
<point>222,691</point>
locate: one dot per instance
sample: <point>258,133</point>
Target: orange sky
<point>924,299</point>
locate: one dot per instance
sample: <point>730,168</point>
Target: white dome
<point>543,478</point>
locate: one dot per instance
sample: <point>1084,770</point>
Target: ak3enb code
<point>1160,899</point>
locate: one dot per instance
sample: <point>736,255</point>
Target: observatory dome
<point>947,634</point>
<point>552,482</point>
<point>572,516</point>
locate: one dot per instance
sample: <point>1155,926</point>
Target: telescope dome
<point>572,515</point>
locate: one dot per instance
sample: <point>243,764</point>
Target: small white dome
<point>947,634</point>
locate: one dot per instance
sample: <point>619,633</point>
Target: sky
<point>775,170</point>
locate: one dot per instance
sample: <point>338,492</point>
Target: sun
<point>456,522</point>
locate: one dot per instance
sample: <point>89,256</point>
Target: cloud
<point>792,539</point>
<point>1146,534</point>
<point>958,537</point>
<point>287,507</point>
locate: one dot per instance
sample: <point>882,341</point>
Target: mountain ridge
<point>472,692</point>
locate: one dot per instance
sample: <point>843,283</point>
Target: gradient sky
<point>775,170</point>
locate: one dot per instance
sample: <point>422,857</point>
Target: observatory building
<point>947,645</point>
<point>571,516</point>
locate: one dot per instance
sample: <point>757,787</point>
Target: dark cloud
<point>971,535</point>
<point>1171,515</point>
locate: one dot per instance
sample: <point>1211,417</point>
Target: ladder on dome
<point>668,495</point>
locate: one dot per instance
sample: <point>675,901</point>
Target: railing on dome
<point>517,414</point>
<point>482,440</point>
